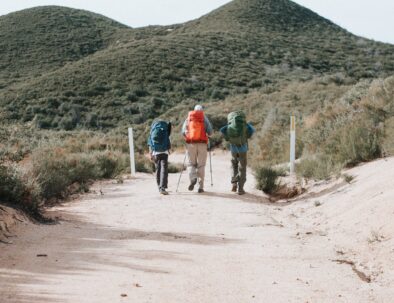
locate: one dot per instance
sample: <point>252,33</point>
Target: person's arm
<point>208,126</point>
<point>169,145</point>
<point>251,130</point>
<point>223,131</point>
<point>184,127</point>
<point>150,152</point>
<point>169,128</point>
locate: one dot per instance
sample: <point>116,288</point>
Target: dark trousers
<point>161,162</point>
<point>239,162</point>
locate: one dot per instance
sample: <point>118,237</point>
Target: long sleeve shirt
<point>207,125</point>
<point>242,148</point>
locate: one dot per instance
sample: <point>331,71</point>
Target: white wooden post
<point>292,144</point>
<point>132,157</point>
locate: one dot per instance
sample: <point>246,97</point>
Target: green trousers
<point>239,161</point>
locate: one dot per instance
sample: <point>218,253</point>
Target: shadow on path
<point>248,197</point>
<point>74,248</point>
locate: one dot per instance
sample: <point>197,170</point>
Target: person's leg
<point>234,166</point>
<point>158,170</point>
<point>192,164</point>
<point>202,154</point>
<point>161,170</point>
<point>164,172</point>
<point>243,162</point>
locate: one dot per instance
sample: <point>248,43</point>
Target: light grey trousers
<point>197,154</point>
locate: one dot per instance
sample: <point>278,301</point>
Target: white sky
<point>368,18</point>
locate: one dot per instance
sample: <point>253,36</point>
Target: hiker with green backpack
<point>237,132</point>
<point>159,148</point>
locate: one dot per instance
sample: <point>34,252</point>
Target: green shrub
<point>69,158</point>
<point>55,169</point>
<point>52,172</point>
<point>144,165</point>
<point>218,120</point>
<point>11,186</point>
<point>83,167</point>
<point>268,179</point>
<point>174,168</point>
<point>320,167</point>
<point>358,143</point>
<point>15,190</point>
<point>107,166</point>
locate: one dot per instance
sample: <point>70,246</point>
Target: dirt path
<point>132,245</point>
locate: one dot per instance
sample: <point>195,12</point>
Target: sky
<point>367,18</point>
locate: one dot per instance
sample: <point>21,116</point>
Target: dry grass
<point>54,165</point>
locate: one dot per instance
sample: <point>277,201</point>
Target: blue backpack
<point>159,139</point>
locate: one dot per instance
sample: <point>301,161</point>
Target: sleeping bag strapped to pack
<point>237,128</point>
<point>159,140</point>
<point>195,131</point>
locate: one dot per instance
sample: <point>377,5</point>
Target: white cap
<point>198,107</point>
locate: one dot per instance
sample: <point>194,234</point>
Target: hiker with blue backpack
<point>237,132</point>
<point>159,148</point>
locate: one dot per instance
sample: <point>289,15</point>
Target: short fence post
<point>292,144</point>
<point>132,157</point>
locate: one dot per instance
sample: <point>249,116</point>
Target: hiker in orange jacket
<point>196,130</point>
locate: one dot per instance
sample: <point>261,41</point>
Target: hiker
<point>237,132</point>
<point>196,130</point>
<point>159,149</point>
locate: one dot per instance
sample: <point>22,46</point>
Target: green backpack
<point>237,128</point>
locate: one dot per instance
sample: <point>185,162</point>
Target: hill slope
<point>266,15</point>
<point>37,40</point>
<point>245,45</point>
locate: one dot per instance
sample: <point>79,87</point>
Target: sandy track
<point>215,247</point>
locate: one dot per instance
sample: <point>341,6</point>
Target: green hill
<point>244,46</point>
<point>268,16</point>
<point>36,41</point>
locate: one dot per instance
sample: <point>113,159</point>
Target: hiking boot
<point>234,188</point>
<point>200,190</point>
<point>192,184</point>
<point>241,191</point>
<point>163,192</point>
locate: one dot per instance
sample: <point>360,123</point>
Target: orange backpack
<point>195,132</point>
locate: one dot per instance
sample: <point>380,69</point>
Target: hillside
<point>242,47</point>
<point>269,15</point>
<point>38,40</point>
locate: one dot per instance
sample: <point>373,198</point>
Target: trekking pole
<point>180,175</point>
<point>210,160</point>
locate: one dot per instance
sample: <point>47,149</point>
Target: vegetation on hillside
<point>356,127</point>
<point>36,41</point>
<point>244,46</point>
<point>40,167</point>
